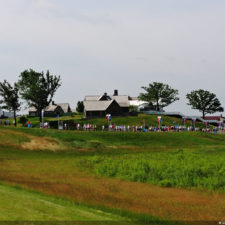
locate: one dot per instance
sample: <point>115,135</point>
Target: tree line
<point>39,88</point>
<point>161,95</point>
<point>36,88</point>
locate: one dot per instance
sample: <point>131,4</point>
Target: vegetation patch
<point>182,168</point>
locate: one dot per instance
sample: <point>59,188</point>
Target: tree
<point>159,95</point>
<point>204,101</point>
<point>80,106</point>
<point>38,89</point>
<point>10,97</point>
<point>23,120</point>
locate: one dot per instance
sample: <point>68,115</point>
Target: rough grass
<point>182,168</point>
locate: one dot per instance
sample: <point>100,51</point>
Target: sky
<point>97,46</point>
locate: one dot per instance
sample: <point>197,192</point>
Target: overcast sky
<point>101,45</point>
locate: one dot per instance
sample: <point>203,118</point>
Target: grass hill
<point>142,176</point>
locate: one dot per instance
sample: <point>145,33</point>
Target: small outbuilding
<point>52,110</point>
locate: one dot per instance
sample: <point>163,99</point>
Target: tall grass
<point>183,168</point>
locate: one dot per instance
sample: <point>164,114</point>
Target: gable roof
<point>51,108</point>
<point>32,109</point>
<point>122,100</point>
<point>97,105</point>
<point>65,107</point>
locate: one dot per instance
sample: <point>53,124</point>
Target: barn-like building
<point>101,105</point>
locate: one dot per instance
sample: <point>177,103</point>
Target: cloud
<point>102,45</point>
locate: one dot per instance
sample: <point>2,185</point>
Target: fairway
<point>111,176</point>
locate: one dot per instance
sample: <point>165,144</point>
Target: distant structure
<point>101,105</point>
<point>59,109</point>
<point>4,114</point>
<point>215,118</point>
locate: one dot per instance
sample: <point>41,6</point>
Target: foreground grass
<point>19,204</point>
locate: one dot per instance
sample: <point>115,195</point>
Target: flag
<point>42,113</point>
<point>108,117</point>
<point>194,120</point>
<point>159,118</point>
<point>184,119</point>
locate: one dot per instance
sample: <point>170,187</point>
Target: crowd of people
<point>146,128</point>
<point>5,122</point>
<point>111,127</point>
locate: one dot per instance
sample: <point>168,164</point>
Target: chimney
<point>115,93</point>
<point>105,94</point>
<point>53,103</point>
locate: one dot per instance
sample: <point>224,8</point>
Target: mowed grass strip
<point>17,204</point>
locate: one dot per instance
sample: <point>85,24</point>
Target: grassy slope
<point>58,173</point>
<point>188,160</point>
<point>18,204</point>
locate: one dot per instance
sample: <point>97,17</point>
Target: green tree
<point>80,106</point>
<point>204,101</point>
<point>10,97</point>
<point>38,89</point>
<point>159,95</point>
<point>23,120</point>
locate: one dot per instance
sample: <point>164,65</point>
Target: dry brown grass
<point>38,143</point>
<point>33,143</point>
<point>167,203</point>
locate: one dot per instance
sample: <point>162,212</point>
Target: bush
<point>23,120</point>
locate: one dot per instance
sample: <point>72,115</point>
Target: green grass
<point>150,120</point>
<point>187,160</point>
<point>182,168</point>
<point>104,140</point>
<point>184,160</point>
<point>18,204</point>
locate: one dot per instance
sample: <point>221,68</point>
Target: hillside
<point>170,176</point>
